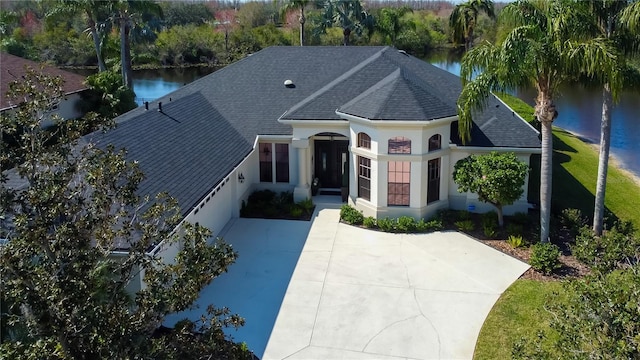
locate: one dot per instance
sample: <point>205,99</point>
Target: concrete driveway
<point>325,290</point>
<point>361,294</point>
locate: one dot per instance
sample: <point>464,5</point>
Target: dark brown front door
<point>330,156</point>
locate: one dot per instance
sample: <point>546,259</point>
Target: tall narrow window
<point>435,142</point>
<point>266,169</point>
<point>399,183</point>
<point>364,141</point>
<point>433,178</point>
<point>364,178</point>
<point>282,162</point>
<point>399,145</point>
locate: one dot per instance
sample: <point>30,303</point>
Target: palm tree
<point>389,22</point>
<point>536,52</point>
<point>124,13</point>
<point>608,27</point>
<point>298,5</point>
<point>464,18</point>
<point>350,15</point>
<point>91,10</point>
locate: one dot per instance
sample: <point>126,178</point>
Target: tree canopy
<point>497,178</point>
<point>80,240</point>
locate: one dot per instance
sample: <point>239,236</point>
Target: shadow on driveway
<point>255,285</point>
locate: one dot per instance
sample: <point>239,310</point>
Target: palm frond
<point>474,97</point>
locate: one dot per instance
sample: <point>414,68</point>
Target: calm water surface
<point>580,111</point>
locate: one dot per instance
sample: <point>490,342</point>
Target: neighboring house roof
<point>208,127</point>
<point>13,68</point>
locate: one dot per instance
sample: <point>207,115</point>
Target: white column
<point>302,167</point>
<point>302,190</point>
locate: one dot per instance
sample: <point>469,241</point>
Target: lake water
<point>579,109</point>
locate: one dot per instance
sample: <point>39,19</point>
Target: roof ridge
<point>393,76</point>
<point>336,81</point>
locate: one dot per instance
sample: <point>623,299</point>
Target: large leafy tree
<point>463,20</point>
<point>350,15</point>
<point>91,10</point>
<point>79,237</point>
<point>537,52</point>
<point>497,178</point>
<point>610,27</point>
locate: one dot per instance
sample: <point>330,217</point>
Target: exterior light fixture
<point>240,178</point>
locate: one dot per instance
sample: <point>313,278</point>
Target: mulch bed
<point>571,267</point>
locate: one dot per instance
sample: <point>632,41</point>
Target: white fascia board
<point>499,149</point>
<point>396,123</point>
<point>317,123</point>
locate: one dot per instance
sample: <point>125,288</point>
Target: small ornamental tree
<point>68,209</point>
<point>497,178</point>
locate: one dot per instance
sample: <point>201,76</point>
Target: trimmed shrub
<point>295,211</point>
<point>545,257</point>
<point>612,250</point>
<point>515,241</point>
<point>573,221</point>
<point>434,225</point>
<point>406,224</point>
<point>465,225</point>
<point>489,222</point>
<point>369,222</point>
<point>387,225</point>
<point>306,205</point>
<point>350,215</point>
<point>489,231</point>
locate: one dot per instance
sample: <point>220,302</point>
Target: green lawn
<point>575,169</point>
<point>520,310</point>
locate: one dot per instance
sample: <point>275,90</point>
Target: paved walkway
<point>360,294</point>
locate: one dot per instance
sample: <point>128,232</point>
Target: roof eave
<point>391,123</point>
<point>520,150</point>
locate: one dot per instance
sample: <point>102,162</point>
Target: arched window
<point>364,141</point>
<point>399,145</point>
<point>435,142</point>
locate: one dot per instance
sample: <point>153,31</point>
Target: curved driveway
<point>361,294</point>
<point>325,290</point>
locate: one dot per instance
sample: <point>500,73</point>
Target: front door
<point>330,159</point>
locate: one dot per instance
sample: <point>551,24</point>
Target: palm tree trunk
<point>346,32</point>
<point>302,21</point>
<point>546,180</point>
<point>545,111</point>
<point>603,161</point>
<point>125,53</point>
<point>96,43</point>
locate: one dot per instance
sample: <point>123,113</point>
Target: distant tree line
<point>97,33</point>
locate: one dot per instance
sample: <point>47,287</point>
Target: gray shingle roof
<point>397,98</point>
<point>209,126</point>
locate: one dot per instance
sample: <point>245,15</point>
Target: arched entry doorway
<point>331,155</point>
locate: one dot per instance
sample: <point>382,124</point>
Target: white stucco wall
<point>419,134</point>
